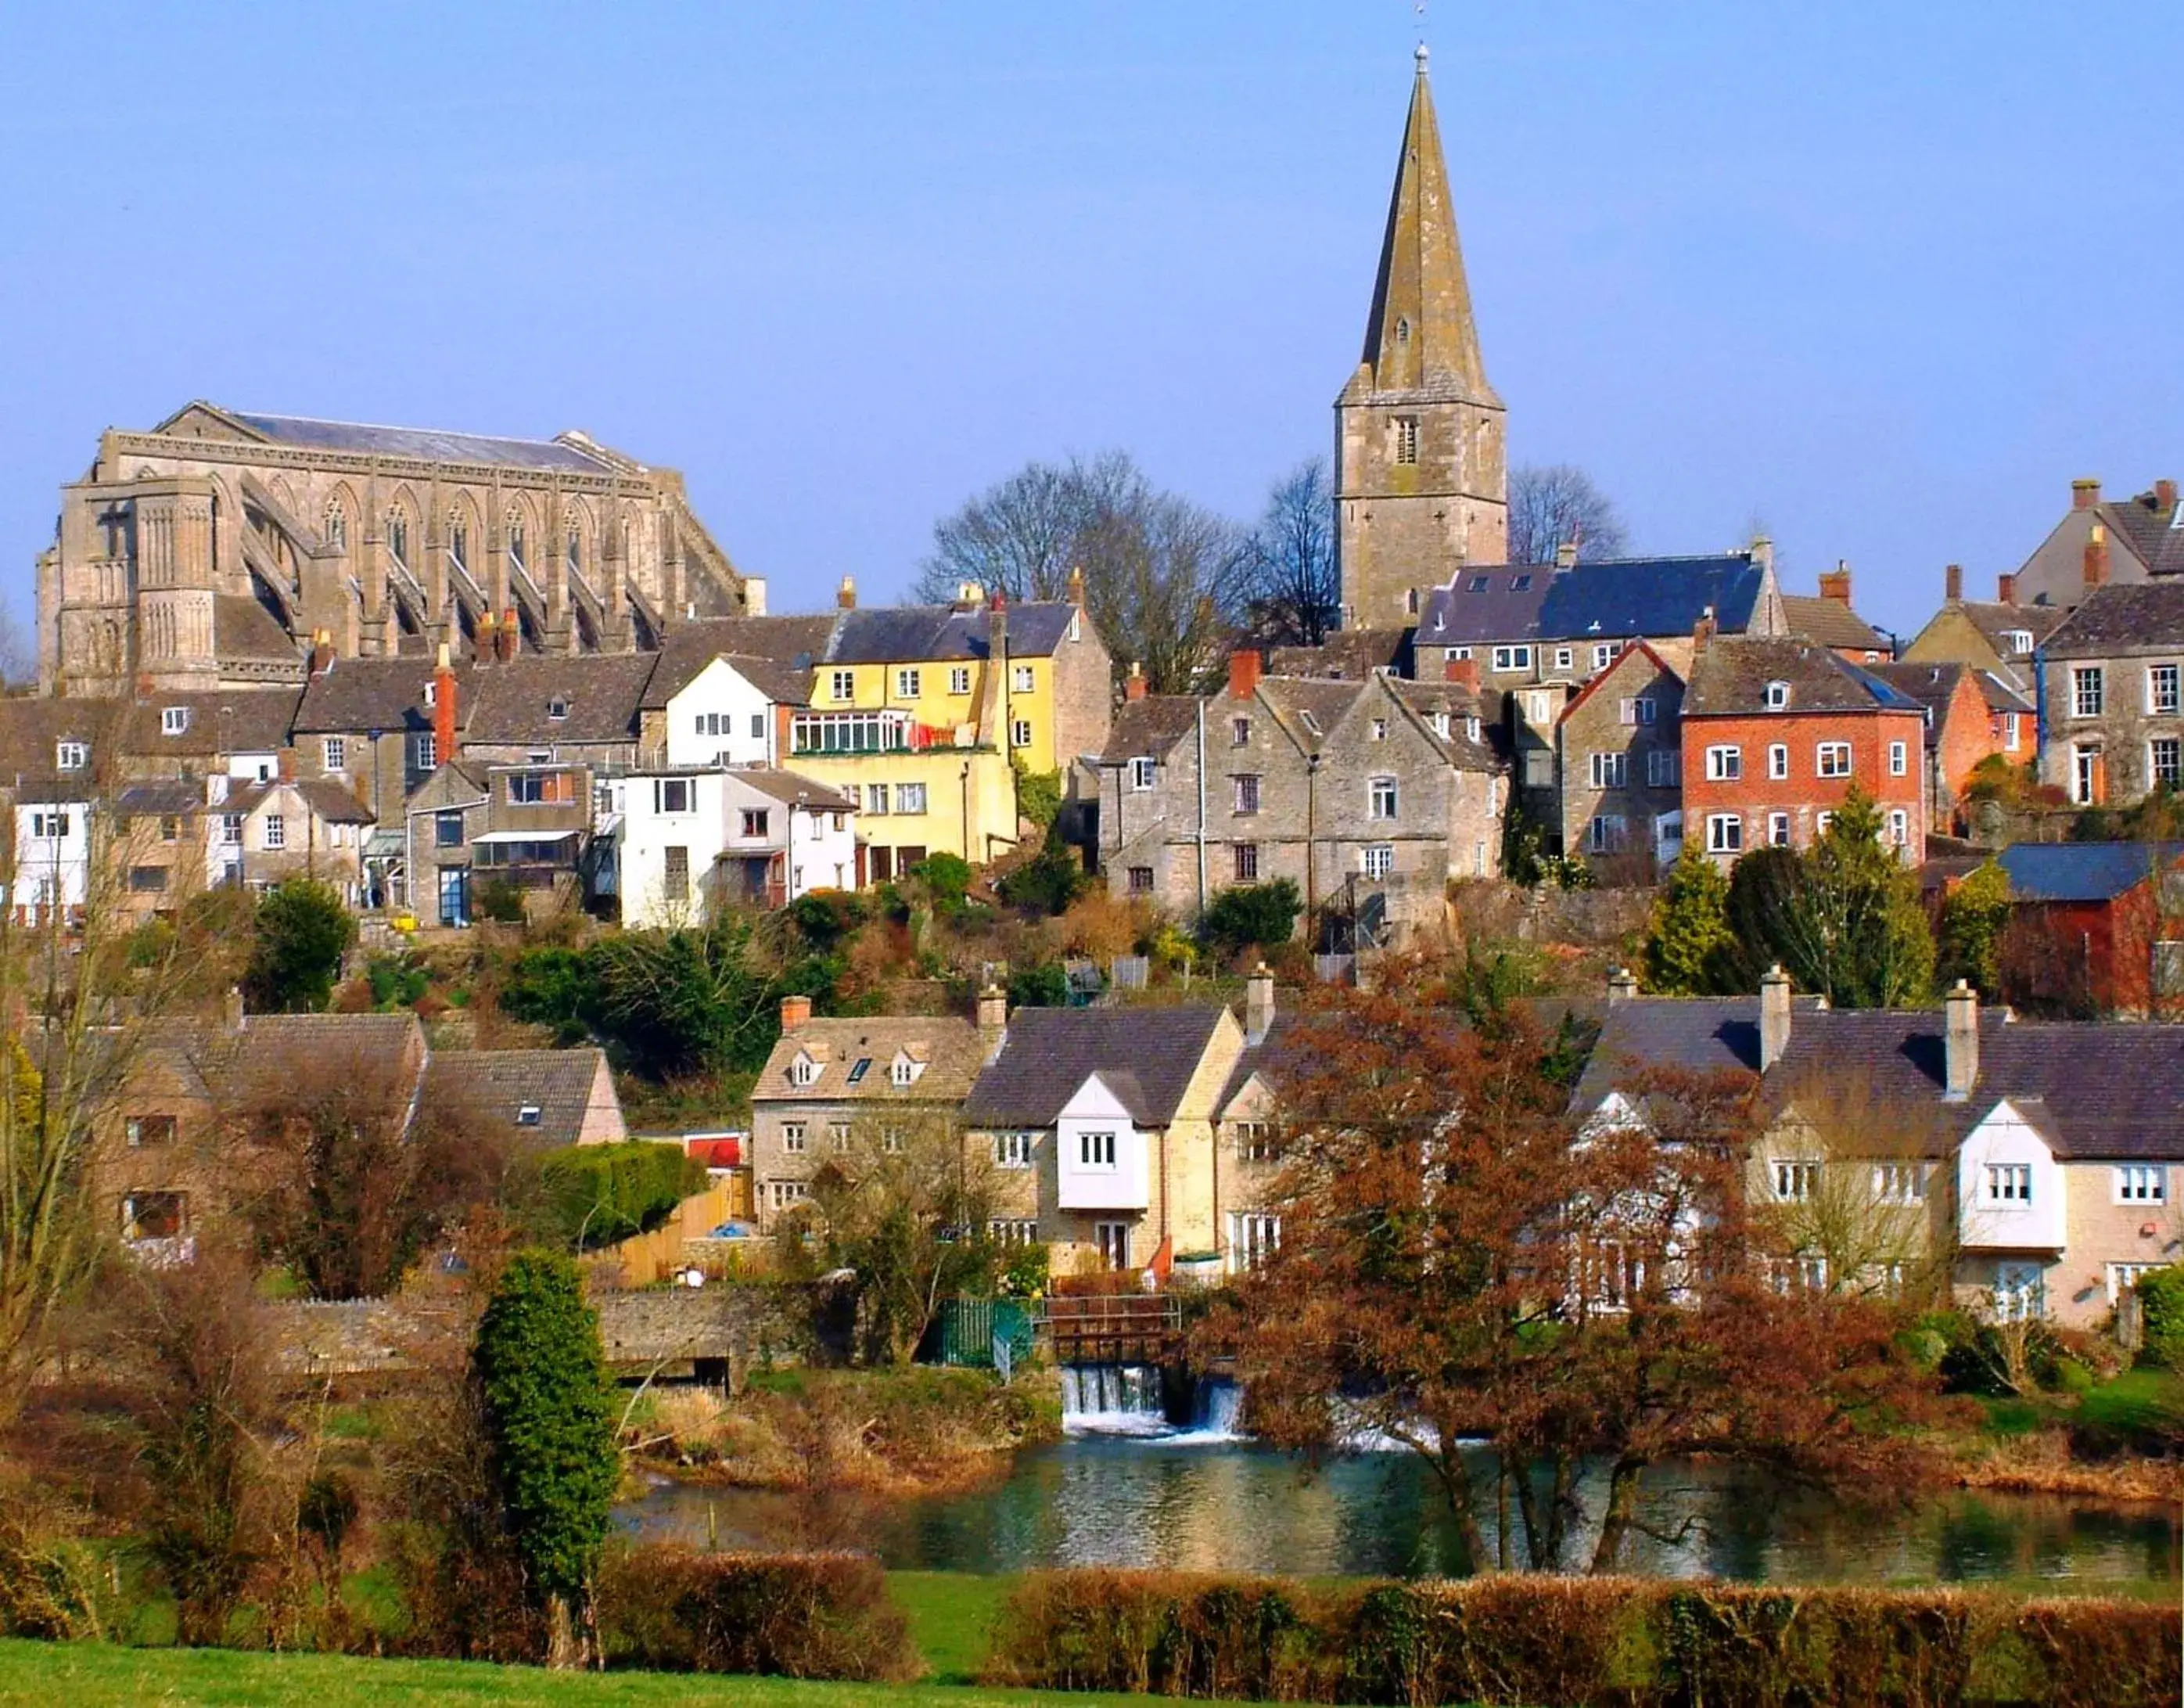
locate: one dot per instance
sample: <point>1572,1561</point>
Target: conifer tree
<point>1974,916</point>
<point>1855,932</point>
<point>1689,945</point>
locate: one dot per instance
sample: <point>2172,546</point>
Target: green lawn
<point>2139,1402</point>
<point>94,1675</point>
<point>950,1617</point>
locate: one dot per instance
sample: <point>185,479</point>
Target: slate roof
<point>791,643</point>
<point>2082,871</point>
<point>1149,727</point>
<point>1730,676</point>
<point>1994,620</point>
<point>1832,622</point>
<point>322,795</point>
<point>427,443</point>
<point>949,1046</point>
<point>910,633</point>
<point>1653,596</point>
<point>164,798</point>
<point>1256,1058</point>
<point>368,694</point>
<point>242,627</point>
<point>2140,617</point>
<point>1147,1056</point>
<point>797,790</point>
<point>492,1085</point>
<point>253,720</point>
<point>1999,695</point>
<point>511,702</point>
<point>2143,520</point>
<point>1932,685</point>
<point>1497,603</point>
<point>1698,1034</point>
<point>1349,655</point>
<point>32,726</point>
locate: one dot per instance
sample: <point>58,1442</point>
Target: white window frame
<point>1253,1237</point>
<point>1899,827</point>
<point>275,834</point>
<point>841,687</point>
<point>909,798</point>
<point>1379,859</point>
<point>335,751</point>
<point>1833,759</point>
<point>2164,762</point>
<point>2123,1278</point>
<point>1142,770</point>
<point>959,678</point>
<point>72,756</point>
<point>1014,1150</point>
<point>1638,709</point>
<point>1899,1183</point>
<point>174,720</point>
<point>2139,1183</point>
<point>2165,693</point>
<point>1778,829</point>
<point>793,1138</point>
<point>1899,759</point>
<point>1609,833</point>
<point>1603,654</point>
<point>1020,678</point>
<point>1777,695</point>
<point>1383,798</point>
<point>1724,833</point>
<point>2008,1183</point>
<point>1563,658</point>
<point>2088,690</point>
<point>1611,770</point>
<point>1664,768</point>
<point>1778,761</point>
<point>1507,658</point>
<point>1724,763</point>
<point>908,682</point>
<point>2084,761</point>
<point>1796,1179</point>
<point>1096,1151</point>
<point>2018,641</point>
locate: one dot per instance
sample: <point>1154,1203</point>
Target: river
<point>1121,1491</point>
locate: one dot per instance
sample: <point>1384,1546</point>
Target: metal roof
<point>2083,871</point>
<point>427,444</point>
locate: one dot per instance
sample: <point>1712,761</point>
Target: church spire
<point>1421,336</point>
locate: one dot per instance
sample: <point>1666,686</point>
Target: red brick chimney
<point>1835,583</point>
<point>1952,583</point>
<point>2164,495</point>
<point>2085,493</point>
<point>1134,684</point>
<point>1244,666</point>
<point>512,634</point>
<point>485,643</point>
<point>322,651</point>
<point>794,1012</point>
<point>2005,587</point>
<point>2097,557</point>
<point>443,709</point>
<point>1463,672</point>
<point>1702,631</point>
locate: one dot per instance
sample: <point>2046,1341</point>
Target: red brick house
<point>1775,732</point>
<point>2098,927</point>
<point>1971,715</point>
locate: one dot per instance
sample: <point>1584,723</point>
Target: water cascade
<point>1111,1399</point>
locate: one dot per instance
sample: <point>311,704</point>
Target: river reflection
<point>1231,1506</point>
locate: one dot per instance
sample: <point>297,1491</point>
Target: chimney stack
<point>2005,587</point>
<point>2097,557</point>
<point>993,1019</point>
<point>1077,585</point>
<point>1463,672</point>
<point>1134,684</point>
<point>1258,1006</point>
<point>794,1012</point>
<point>443,709</point>
<point>1762,552</point>
<point>230,1007</point>
<point>2085,493</point>
<point>485,643</point>
<point>1835,583</point>
<point>1962,1059</point>
<point>1774,1016</point>
<point>1244,666</point>
<point>2164,496</point>
<point>1953,583</point>
<point>322,651</point>
<point>512,634</point>
<point>1566,555</point>
<point>1621,986</point>
<point>1702,630</point>
<point>845,595</point>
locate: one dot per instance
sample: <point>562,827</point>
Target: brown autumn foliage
<point>1459,1261</point>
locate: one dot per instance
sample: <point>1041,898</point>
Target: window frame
<point>1724,833</point>
<point>2165,690</point>
<point>2088,690</point>
<point>1144,772</point>
<point>1725,763</point>
<point>1610,769</point>
<point>1834,760</point>
<point>1383,798</point>
<point>2151,1179</point>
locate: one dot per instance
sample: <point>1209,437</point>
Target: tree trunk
<point>1622,1509</point>
<point>1502,1539</point>
<point>564,1652</point>
<point>1456,1482</point>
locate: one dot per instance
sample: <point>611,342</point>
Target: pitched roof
<point>1995,621</point>
<point>1657,596</point>
<point>1349,655</point>
<point>1147,1056</point>
<point>250,720</point>
<point>428,444</point>
<point>2122,618</point>
<point>1310,709</point>
<point>1698,1034</point>
<point>1831,623</point>
<point>325,798</point>
<point>33,726</point>
<point>790,643</point>
<point>796,790</point>
<point>1429,699</point>
<point>242,627</point>
<point>369,694</point>
<point>2083,871</point>
<point>911,633</point>
<point>496,1085</point>
<point>599,695</point>
<point>2000,695</point>
<point>2143,520</point>
<point>1150,726</point>
<point>1932,685</point>
<point>950,1048</point>
<point>1730,674</point>
<point>1637,650</point>
<point>1268,1052</point>
<point>163,797</point>
<point>1496,603</point>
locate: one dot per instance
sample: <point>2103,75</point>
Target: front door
<point>455,896</point>
<point>2019,1290</point>
<point>1114,1239</point>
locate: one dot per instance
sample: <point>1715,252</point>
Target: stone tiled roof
<point>2140,617</point>
<point>2143,521</point>
<point>1430,699</point>
<point>1147,1056</point>
<point>1309,710</point>
<point>1696,1034</point>
<point>494,1086</point>
<point>794,788</point>
<point>1349,655</point>
<point>950,1048</point>
<point>367,694</point>
<point>242,627</point>
<point>2083,871</point>
<point>1932,685</point>
<point>513,701</point>
<point>1999,695</point>
<point>884,634</point>
<point>32,727</point>
<point>1149,727</point>
<point>427,443</point>
<point>255,720</point>
<point>790,644</point>
<point>1831,623</point>
<point>1730,674</point>
<point>1996,621</point>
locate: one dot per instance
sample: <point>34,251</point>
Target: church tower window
<point>575,551</point>
<point>1403,331</point>
<point>1406,438</point>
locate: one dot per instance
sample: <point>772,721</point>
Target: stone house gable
<point>2113,681</point>
<point>1620,760</point>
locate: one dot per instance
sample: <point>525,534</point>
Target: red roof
<point>717,1150</point>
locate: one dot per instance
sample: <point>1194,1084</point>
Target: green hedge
<point>609,1192</point>
<point>2161,1317</point>
<point>1574,1641</point>
<point>807,1615</point>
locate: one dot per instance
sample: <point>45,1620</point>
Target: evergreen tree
<point>550,1422</point>
<point>1854,931</point>
<point>1974,916</point>
<point>304,931</point>
<point>1762,892</point>
<point>1688,947</point>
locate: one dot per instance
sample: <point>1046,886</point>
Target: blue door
<point>455,896</point>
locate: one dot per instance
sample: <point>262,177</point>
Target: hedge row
<point>609,1192</point>
<point>800,1615</point>
<point>1574,1642</point>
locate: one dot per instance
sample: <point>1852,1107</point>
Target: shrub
<point>396,981</point>
<point>49,1581</point>
<point>500,900</point>
<point>2161,1317</point>
<point>302,932</point>
<point>1046,986</point>
<point>1264,914</point>
<point>554,988</point>
<point>2088,1654</point>
<point>1050,880</point>
<point>810,1616</point>
<point>1038,794</point>
<point>602,1193</point>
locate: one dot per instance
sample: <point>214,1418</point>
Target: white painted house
<point>725,715</point>
<point>52,851</point>
<point>692,841</point>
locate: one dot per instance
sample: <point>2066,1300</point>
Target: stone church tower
<point>1422,473</point>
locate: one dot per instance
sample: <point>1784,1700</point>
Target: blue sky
<point>1886,277</point>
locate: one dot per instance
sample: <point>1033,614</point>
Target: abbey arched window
<point>576,548</point>
<point>398,538</point>
<point>515,541</point>
<point>459,544</point>
<point>337,527</point>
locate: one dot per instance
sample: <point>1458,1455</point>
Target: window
<point>910,797</point>
<point>1778,695</point>
<point>425,750</point>
<point>1834,758</point>
<point>336,753</point>
<point>1440,724</point>
<point>1406,438</point>
<point>1403,330</point>
<point>1239,732</point>
<point>171,828</point>
<point>1020,733</point>
<point>1253,1238</point>
<point>1563,658</point>
<point>1641,709</point>
<point>1141,775</point>
<point>2161,689</point>
<point>781,1194</point>
<point>908,683</point>
<point>72,756</point>
<point>276,831</point>
<point>1012,1232</point>
<point>1379,859</point>
<point>459,546</point>
<point>2124,1277</point>
<point>959,678</point>
<point>1725,764</point>
<point>1141,880</point>
<point>1777,830</point>
<point>1899,759</point>
<point>876,797</point>
<point>398,538</point>
<point>2088,692</point>
<point>1247,794</point>
<point>1610,770</point>
<point>446,829</point>
<point>902,1071</point>
<point>1381,798</point>
<point>1603,654</point>
<point>230,829</point>
<point>1820,823</point>
<point>675,873</point>
<point>1899,1183</point>
<point>792,1137</point>
<point>673,795</point>
<point>49,827</point>
<point>2018,641</point>
<point>1796,1180</point>
<point>1664,768</point>
<point>2165,762</point>
<point>1899,827</point>
<point>174,720</point>
<point>2009,732</point>
<point>337,527</point>
<point>757,821</point>
<point>147,1131</point>
<point>1020,679</point>
<point>1247,863</point>
<point>153,1216</point>
<point>1013,1150</point>
<point>1513,658</point>
<point>758,726</point>
<point>1255,1142</point>
<point>841,687</point>
<point>2088,780</point>
<point>542,788</point>
<point>2020,1292</point>
<point>1096,1150</point>
<point>516,543</point>
<point>860,1067</point>
<point>1607,833</point>
<point>2009,1183</point>
<point>1114,1242</point>
<point>1724,833</point>
<point>529,1115</point>
<point>838,1136</point>
<point>2142,1183</point>
<point>557,709</point>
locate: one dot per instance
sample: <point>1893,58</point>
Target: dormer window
<point>2018,641</point>
<point>1471,727</point>
<point>1521,583</point>
<point>904,1070</point>
<point>1778,695</point>
<point>72,756</point>
<point>528,1116</point>
<point>1310,722</point>
<point>174,720</point>
<point>557,708</point>
<point>804,1071</point>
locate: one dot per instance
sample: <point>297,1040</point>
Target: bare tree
<point>1291,591</point>
<point>1555,505</point>
<point>1018,537</point>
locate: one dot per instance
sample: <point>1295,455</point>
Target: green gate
<point>971,1328</point>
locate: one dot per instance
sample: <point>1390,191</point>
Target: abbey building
<point>1422,471</point>
<point>213,551</point>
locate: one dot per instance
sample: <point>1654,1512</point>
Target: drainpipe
<point>1311,837</point>
<point>966,784</point>
<point>1202,806</point>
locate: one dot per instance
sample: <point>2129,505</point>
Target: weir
<point>1148,1400</point>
